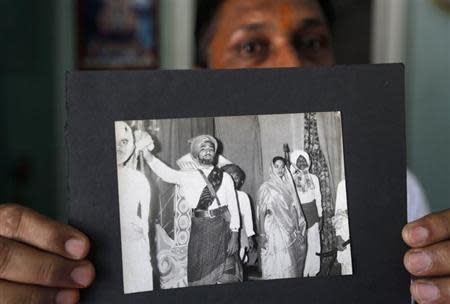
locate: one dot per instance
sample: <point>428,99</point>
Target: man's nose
<point>287,57</point>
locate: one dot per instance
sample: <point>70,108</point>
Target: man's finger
<point>24,264</point>
<point>436,291</point>
<point>27,226</point>
<point>27,294</point>
<point>428,230</point>
<point>433,260</point>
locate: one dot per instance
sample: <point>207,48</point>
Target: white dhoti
<point>312,262</point>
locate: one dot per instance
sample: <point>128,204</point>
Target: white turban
<point>196,143</point>
<point>296,154</point>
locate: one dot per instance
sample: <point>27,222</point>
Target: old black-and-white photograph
<point>218,200</point>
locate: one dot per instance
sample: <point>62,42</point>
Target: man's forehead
<point>207,144</point>
<point>273,7</point>
<point>255,5</point>
<point>263,13</point>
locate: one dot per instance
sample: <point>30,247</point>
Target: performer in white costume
<point>134,201</point>
<point>308,189</point>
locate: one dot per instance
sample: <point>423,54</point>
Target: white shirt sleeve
<point>231,201</point>
<point>166,173</point>
<point>416,198</point>
<point>246,211</point>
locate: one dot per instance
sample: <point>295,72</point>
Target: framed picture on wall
<point>117,34</point>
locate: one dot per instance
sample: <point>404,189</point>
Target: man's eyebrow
<point>253,27</point>
<point>311,23</point>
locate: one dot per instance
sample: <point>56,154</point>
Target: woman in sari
<point>282,225</point>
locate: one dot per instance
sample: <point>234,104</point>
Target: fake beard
<point>206,161</point>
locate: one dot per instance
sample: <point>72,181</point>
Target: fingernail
<point>65,296</point>
<point>82,275</point>
<point>418,235</point>
<point>75,248</point>
<point>418,262</point>
<point>426,292</point>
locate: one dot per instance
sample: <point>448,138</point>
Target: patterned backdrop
<point>319,167</point>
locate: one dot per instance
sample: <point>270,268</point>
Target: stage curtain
<point>330,139</point>
<point>241,144</point>
<point>321,168</point>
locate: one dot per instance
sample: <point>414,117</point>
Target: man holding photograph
<point>37,253</point>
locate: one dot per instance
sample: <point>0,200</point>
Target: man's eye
<point>313,44</point>
<point>253,48</point>
<point>124,142</point>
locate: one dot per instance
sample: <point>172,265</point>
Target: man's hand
<point>262,242</point>
<point>41,260</point>
<point>233,244</point>
<point>251,243</point>
<point>340,243</point>
<point>143,141</point>
<point>429,259</point>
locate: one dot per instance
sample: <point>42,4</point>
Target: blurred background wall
<point>39,43</point>
<point>428,98</point>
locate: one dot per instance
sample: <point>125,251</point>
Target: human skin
<point>302,164</point>
<point>279,166</point>
<point>294,33</point>
<point>124,144</point>
<point>206,154</point>
<point>42,260</point>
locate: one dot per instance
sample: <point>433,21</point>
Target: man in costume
<point>308,190</point>
<point>213,243</point>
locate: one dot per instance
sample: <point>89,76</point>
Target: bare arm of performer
<point>144,143</point>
